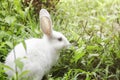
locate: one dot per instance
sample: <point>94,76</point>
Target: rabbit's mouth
<point>67,46</point>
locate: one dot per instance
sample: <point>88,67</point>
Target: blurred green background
<point>92,26</point>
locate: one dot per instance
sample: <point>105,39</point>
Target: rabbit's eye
<point>60,39</point>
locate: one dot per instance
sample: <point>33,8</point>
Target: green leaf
<point>5,66</point>
<point>79,53</point>
<point>24,73</point>
<point>102,18</point>
<point>88,77</point>
<point>10,19</point>
<point>9,44</point>
<point>24,45</point>
<point>19,63</point>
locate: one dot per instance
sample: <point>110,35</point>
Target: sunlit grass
<point>93,28</point>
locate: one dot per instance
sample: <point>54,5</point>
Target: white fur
<point>40,54</point>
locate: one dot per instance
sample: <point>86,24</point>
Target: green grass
<point>93,28</point>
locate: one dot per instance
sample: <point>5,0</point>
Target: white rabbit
<point>41,54</point>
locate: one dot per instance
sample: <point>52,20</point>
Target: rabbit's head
<point>54,38</point>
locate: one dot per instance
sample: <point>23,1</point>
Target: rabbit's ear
<point>45,22</point>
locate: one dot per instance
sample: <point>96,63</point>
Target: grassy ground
<point>93,27</point>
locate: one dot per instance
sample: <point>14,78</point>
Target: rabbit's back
<point>38,57</point>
